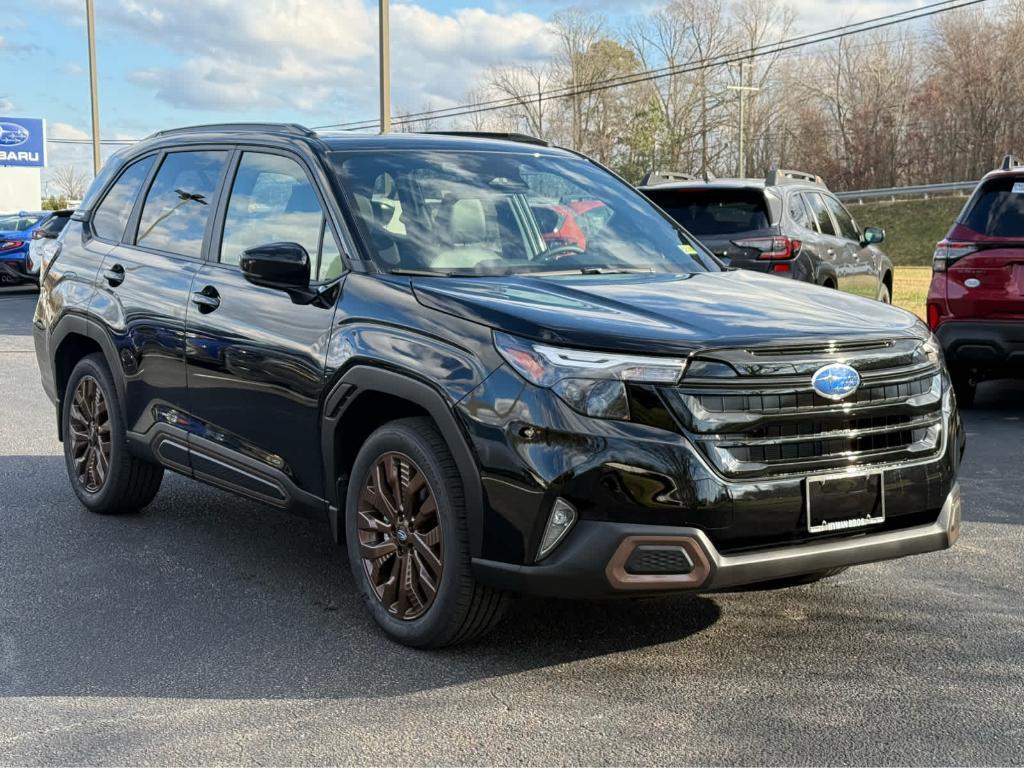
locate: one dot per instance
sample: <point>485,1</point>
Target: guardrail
<point>924,191</point>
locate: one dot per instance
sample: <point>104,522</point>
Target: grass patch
<point>912,227</point>
<point>910,288</point>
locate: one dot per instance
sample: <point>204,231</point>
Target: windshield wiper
<point>591,271</point>
<point>423,272</point>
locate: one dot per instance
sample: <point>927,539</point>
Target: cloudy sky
<point>174,62</point>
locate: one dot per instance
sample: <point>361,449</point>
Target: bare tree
<point>70,182</point>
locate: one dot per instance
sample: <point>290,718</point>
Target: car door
<point>146,276</point>
<point>255,357</point>
<point>835,256</point>
<point>865,276</point>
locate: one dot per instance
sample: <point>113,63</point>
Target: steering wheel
<point>558,252</point>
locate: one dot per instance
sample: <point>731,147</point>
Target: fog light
<point>560,521</point>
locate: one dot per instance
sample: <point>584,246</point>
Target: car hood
<point>662,313</point>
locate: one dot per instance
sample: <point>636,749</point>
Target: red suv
<point>976,299</point>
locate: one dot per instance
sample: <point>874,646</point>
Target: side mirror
<point>284,266</point>
<point>872,236</point>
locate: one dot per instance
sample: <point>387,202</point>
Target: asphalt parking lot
<point>210,630</point>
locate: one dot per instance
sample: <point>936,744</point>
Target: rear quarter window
<point>998,208</point>
<point>715,211</point>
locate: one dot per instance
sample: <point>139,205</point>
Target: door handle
<point>114,275</point>
<point>207,299</point>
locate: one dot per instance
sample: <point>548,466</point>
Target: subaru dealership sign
<point>22,142</point>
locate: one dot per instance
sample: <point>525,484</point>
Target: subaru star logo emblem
<point>835,381</point>
<point>12,135</point>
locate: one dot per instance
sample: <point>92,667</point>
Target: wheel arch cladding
<point>73,338</point>
<point>365,398</point>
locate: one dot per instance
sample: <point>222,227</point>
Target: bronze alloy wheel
<point>400,539</point>
<point>89,433</point>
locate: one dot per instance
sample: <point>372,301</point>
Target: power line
<point>89,141</point>
<point>780,46</point>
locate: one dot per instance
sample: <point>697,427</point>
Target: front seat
<point>467,236</point>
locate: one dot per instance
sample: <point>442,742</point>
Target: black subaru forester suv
<point>374,330</point>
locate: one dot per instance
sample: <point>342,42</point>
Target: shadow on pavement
<point>16,307</point>
<point>206,596</point>
<point>990,476</point>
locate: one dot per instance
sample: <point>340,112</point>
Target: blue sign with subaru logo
<point>835,381</point>
<point>22,142</point>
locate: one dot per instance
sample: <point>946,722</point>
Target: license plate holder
<point>844,502</point>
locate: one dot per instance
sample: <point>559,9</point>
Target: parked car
<point>568,222</point>
<point>473,411</point>
<point>787,224</point>
<point>15,235</point>
<point>43,243</point>
<point>976,298</point>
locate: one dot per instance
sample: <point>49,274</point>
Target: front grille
<point>753,413</point>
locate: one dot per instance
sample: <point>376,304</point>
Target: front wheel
<point>885,296</point>
<point>407,540</point>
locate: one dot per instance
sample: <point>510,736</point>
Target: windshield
<point>485,213</point>
<point>711,211</point>
<point>17,223</point>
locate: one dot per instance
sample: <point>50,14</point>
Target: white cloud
<point>65,131</point>
<point>317,57</point>
<point>6,105</point>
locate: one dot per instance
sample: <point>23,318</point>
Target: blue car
<point>15,235</point>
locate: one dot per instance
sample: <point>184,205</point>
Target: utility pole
<point>93,91</point>
<point>385,68</point>
<point>743,89</point>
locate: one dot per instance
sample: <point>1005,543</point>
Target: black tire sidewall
<point>105,497</point>
<point>443,617</point>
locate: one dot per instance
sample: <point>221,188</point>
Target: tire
<point>119,483</point>
<point>885,296</point>
<point>411,452</point>
<point>964,387</point>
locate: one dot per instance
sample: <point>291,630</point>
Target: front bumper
<point>589,563</point>
<point>986,346</point>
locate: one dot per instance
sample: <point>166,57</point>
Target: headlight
<point>593,383</point>
<point>933,350</point>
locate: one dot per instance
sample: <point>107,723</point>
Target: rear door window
<point>706,212</point>
<point>178,204</point>
<point>111,217</point>
<point>820,212</point>
<point>998,208</point>
<point>799,212</point>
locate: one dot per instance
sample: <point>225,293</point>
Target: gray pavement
<point>211,630</point>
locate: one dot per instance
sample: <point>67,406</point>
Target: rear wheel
<point>408,546</point>
<point>886,295</point>
<point>106,478</point>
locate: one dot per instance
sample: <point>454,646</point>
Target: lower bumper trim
<point>590,563</point>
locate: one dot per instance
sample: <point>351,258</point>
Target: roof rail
<point>778,176</point>
<point>522,138</point>
<point>654,178</point>
<point>293,129</point>
<point>1010,162</point>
